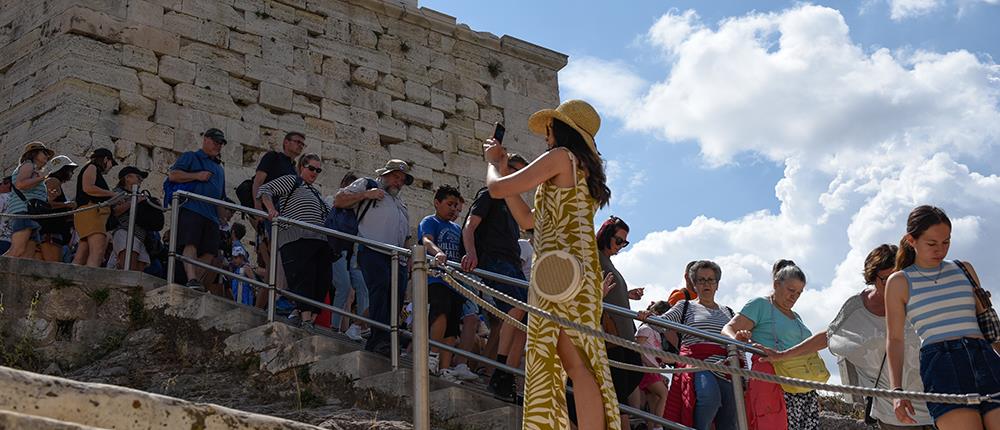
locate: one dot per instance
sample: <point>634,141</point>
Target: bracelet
<point>897,389</point>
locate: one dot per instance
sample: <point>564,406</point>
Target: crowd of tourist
<point>913,327</point>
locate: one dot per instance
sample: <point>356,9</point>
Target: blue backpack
<point>346,220</point>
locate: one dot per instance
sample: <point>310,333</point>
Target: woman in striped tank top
<point>938,299</point>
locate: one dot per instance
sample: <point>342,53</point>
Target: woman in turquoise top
<point>770,321</point>
<point>29,184</point>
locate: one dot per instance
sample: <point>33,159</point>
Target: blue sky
<point>745,132</point>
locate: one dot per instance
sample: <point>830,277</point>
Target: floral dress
<point>564,219</point>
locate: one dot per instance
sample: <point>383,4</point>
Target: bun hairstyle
<point>921,218</point>
<point>784,270</point>
<point>608,229</point>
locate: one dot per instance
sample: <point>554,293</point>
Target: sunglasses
<point>315,169</point>
<point>621,242</point>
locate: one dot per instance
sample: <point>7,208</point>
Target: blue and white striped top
<point>941,310</point>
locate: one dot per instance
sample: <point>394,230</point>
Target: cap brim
<point>538,121</point>
<point>383,171</point>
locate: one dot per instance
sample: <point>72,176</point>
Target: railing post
<point>737,381</point>
<point>131,227</point>
<point>394,310</point>
<point>172,249</point>
<point>421,348</point>
<point>272,271</point>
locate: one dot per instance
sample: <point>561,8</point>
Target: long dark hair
<point>608,230</point>
<point>879,259</point>
<point>567,137</point>
<point>921,218</point>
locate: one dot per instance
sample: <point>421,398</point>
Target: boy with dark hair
<point>442,237</point>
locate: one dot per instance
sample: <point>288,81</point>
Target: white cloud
<point>672,29</point>
<point>864,137</point>
<point>626,179</point>
<point>610,84</point>
<point>902,9</point>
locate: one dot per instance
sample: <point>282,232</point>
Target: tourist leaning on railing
<point>30,197</point>
<point>57,232</point>
<point>857,334</point>
<point>128,177</point>
<point>939,299</point>
<point>770,321</point>
<point>701,398</point>
<point>305,253</point>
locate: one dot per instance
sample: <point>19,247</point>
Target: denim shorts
<point>960,366</point>
<point>19,224</point>
<point>512,270</point>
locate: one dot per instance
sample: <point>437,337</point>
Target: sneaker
<point>195,285</point>
<point>450,376</point>
<point>295,319</point>
<point>354,333</point>
<point>432,363</point>
<point>366,332</point>
<point>461,371</point>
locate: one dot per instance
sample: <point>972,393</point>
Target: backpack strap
<point>684,312</point>
<point>368,202</point>
<point>16,191</point>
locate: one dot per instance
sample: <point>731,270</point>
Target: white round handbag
<point>557,276</point>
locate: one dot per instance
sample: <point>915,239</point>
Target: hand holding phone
<point>498,132</point>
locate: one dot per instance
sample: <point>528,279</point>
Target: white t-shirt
<point>526,254</point>
<point>858,336</point>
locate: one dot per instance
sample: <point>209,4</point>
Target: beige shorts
<point>118,244</point>
<point>91,222</point>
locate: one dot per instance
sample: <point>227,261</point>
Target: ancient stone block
<point>467,107</point>
<point>219,58</point>
<point>207,100</point>
<point>365,77</point>
<point>262,69</point>
<point>275,96</point>
<point>417,93</point>
<point>243,91</point>
<point>154,87</point>
<point>175,70</point>
<point>136,105</point>
<point>442,101</point>
<point>305,106</point>
<point>212,10</point>
<point>393,85</point>
<point>418,114</point>
<point>166,114</point>
<point>391,130</point>
<point>212,78</point>
<point>319,129</point>
<point>144,12</point>
<point>266,26</point>
<point>277,50</point>
<point>417,155</point>
<point>249,44</point>
<point>139,58</point>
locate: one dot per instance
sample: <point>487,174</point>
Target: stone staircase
<point>282,347</point>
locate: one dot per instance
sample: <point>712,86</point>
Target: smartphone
<point>498,133</point>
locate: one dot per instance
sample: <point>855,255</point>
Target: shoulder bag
<point>988,321</point>
<point>557,275</point>
<point>809,367</point>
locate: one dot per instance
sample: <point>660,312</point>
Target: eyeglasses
<point>706,281</point>
<point>315,169</point>
<point>621,242</point>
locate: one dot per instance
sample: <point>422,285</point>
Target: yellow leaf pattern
<point>564,220</point>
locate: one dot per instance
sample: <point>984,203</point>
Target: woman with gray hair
<point>770,321</point>
<point>712,393</point>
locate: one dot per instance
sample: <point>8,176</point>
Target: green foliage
<point>495,68</point>
<point>100,296</point>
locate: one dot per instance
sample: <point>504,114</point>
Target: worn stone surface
<point>154,73</point>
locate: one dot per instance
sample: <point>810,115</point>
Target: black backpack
<point>346,220</point>
<point>244,193</point>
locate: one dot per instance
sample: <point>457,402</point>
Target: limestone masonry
<point>365,80</point>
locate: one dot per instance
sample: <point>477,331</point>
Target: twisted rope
<point>112,201</point>
<point>965,399</point>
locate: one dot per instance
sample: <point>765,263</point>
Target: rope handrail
<point>967,399</point>
<point>112,201</point>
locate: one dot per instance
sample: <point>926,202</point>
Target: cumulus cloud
<point>626,179</point>
<point>864,137</point>
<point>902,9</point>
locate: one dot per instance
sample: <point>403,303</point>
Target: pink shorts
<point>649,379</point>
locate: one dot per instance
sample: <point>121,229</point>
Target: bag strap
<point>684,313</point>
<point>880,368</point>
<point>369,202</point>
<point>981,294</point>
<point>16,191</point>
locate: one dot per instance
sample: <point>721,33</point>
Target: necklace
<point>924,275</point>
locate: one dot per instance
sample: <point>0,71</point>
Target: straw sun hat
<point>575,113</point>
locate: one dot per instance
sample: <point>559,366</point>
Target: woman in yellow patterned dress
<point>571,186</point>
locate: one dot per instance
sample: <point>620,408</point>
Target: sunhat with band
<point>396,166</point>
<point>59,162</point>
<point>36,145</point>
<point>575,113</point>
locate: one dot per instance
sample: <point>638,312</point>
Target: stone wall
<point>67,313</point>
<point>365,80</point>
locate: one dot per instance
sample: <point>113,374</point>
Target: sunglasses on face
<point>621,242</point>
<point>315,169</point>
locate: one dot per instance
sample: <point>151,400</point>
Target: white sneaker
<point>450,376</point>
<point>462,371</point>
<point>432,363</point>
<point>354,333</point>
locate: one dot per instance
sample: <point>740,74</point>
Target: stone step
<point>455,402</point>
<point>503,418</point>
<point>234,321</point>
<point>169,296</point>
<point>304,351</point>
<point>14,420</point>
<point>399,383</point>
<point>356,365</point>
<point>262,338</point>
